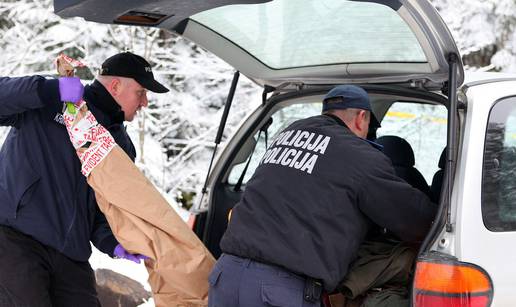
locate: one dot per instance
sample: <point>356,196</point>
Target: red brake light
<point>450,283</point>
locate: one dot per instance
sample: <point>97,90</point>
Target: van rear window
<point>291,33</point>
<point>499,168</point>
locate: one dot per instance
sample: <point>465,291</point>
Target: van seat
<point>437,180</point>
<point>402,156</point>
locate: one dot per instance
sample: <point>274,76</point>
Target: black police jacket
<point>317,192</point>
<point>42,191</point>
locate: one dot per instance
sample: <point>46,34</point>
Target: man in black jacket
<point>48,213</point>
<point>320,187</point>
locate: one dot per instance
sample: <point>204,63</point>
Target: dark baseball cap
<point>349,97</point>
<point>130,65</point>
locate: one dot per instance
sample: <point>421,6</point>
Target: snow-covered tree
<point>484,31</point>
<point>174,136</point>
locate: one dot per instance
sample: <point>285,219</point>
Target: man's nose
<point>145,100</point>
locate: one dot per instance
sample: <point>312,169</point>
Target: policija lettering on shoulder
<point>297,149</point>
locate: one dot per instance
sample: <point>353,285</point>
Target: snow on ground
<point>128,268</point>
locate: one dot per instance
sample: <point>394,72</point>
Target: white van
<point>461,130</point>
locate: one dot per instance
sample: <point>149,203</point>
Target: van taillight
<point>450,283</point>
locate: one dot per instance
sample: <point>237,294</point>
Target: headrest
<point>398,150</point>
<point>442,159</point>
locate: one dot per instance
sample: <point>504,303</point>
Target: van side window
<point>499,168</point>
<point>423,126</point>
<point>281,119</point>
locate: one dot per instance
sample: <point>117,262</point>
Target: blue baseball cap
<point>349,97</point>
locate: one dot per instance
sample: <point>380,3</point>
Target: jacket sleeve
<point>394,204</point>
<point>21,94</point>
<point>102,236</point>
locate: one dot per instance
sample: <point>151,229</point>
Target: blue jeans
<point>242,282</point>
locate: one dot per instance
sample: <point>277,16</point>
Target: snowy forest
<point>175,135</point>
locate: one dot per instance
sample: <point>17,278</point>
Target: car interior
<point>407,119</point>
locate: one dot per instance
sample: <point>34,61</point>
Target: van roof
<point>473,78</point>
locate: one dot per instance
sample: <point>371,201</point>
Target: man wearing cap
<point>48,213</point>
<point>319,188</point>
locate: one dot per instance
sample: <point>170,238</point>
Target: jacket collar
<point>105,109</point>
<point>338,120</point>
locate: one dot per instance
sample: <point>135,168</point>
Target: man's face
<point>131,97</point>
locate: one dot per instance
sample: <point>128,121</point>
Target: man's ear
<point>115,86</point>
<point>360,119</point>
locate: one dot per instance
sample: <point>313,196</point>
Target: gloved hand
<point>70,89</point>
<point>120,252</point>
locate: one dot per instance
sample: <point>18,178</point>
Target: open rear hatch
<point>300,42</point>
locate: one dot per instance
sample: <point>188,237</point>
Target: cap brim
<point>152,85</point>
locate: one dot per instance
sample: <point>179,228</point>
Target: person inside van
<point>320,188</point>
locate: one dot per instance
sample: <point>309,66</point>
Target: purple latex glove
<point>70,89</point>
<point>120,252</point>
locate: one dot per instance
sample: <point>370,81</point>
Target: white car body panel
<point>493,251</point>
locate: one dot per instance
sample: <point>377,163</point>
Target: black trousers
<point>35,275</point>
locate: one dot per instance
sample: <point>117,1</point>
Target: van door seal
<point>451,150</point>
<point>443,216</point>
<point>266,90</point>
<point>265,130</point>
